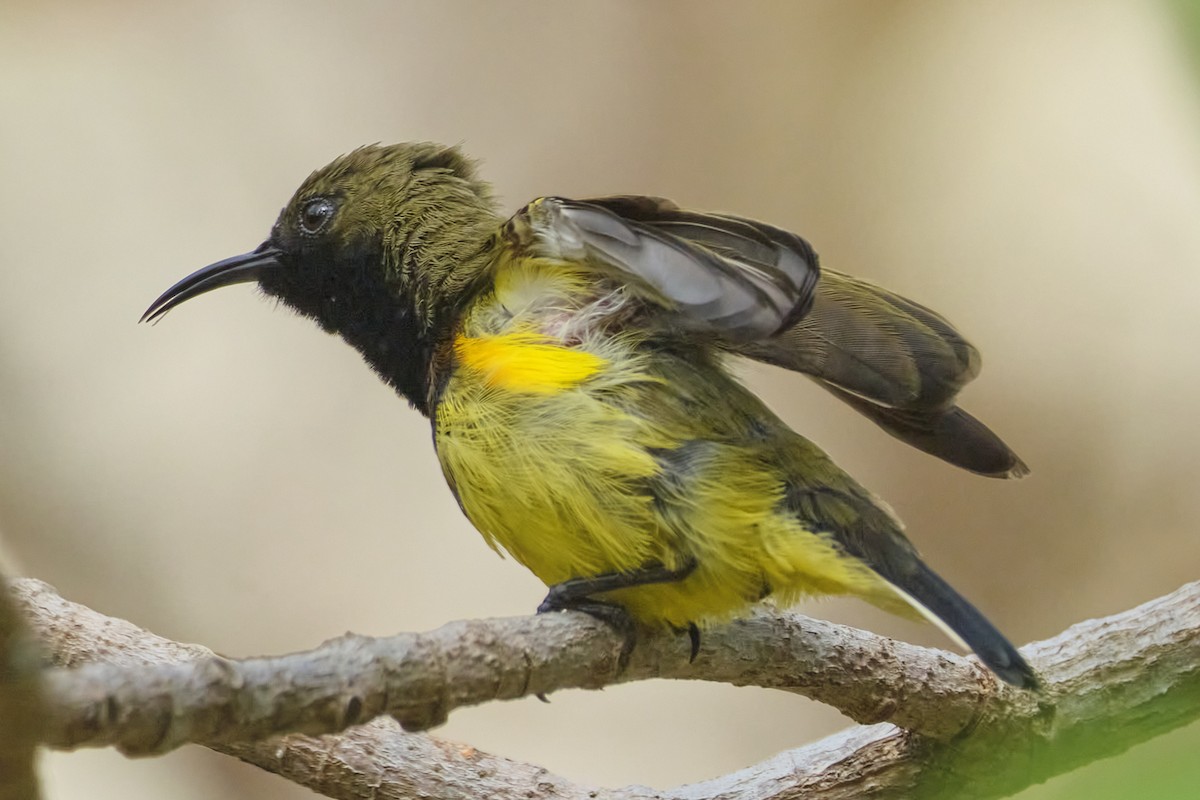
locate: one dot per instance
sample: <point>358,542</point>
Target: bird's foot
<point>693,633</point>
<point>615,616</point>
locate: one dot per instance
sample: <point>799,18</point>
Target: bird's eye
<point>315,215</point>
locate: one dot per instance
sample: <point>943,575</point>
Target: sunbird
<point>573,361</point>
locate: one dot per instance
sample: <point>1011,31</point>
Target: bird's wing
<point>760,290</point>
<point>763,285</point>
<point>949,433</point>
<point>874,343</point>
<point>742,281</point>
<point>897,363</point>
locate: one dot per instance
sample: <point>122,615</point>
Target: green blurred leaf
<point>1187,16</point>
<point>1165,768</point>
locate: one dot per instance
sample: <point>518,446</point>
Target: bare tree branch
<point>21,709</point>
<point>420,678</point>
<point>1109,684</point>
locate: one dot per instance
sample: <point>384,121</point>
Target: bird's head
<point>404,222</point>
<point>381,246</point>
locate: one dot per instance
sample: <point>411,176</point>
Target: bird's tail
<point>937,601</point>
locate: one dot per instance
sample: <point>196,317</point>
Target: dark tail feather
<point>939,598</point>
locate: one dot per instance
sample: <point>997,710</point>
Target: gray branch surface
<point>1109,684</point>
<point>141,698</point>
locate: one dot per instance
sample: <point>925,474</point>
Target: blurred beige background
<point>234,477</point>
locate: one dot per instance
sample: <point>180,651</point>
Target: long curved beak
<point>239,269</point>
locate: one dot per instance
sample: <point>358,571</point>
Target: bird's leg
<point>576,595</point>
<point>570,593</point>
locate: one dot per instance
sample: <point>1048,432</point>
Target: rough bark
<point>1109,684</point>
<point>145,695</point>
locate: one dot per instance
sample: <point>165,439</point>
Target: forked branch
<point>1109,684</point>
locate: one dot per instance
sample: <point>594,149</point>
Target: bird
<point>574,361</point>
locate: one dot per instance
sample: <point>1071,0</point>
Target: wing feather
<point>760,291</point>
<point>739,282</point>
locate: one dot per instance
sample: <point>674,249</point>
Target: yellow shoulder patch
<point>526,362</point>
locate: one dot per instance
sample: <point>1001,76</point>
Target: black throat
<point>351,298</point>
<point>395,345</point>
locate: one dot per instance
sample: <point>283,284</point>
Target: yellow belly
<point>551,467</point>
<point>539,465</point>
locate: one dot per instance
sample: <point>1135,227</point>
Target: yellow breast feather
<point>523,361</point>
